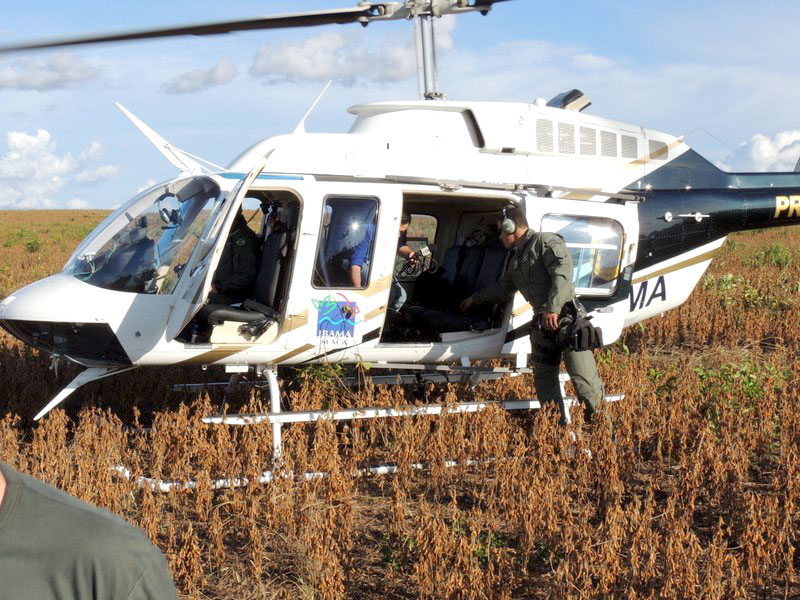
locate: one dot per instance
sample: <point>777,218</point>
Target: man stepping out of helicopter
<point>541,269</point>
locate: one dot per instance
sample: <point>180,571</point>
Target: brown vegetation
<point>698,495</point>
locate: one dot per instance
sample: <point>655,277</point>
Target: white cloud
<point>331,55</point>
<point>77,204</point>
<point>443,32</point>
<point>33,172</point>
<point>103,173</point>
<point>57,71</point>
<point>92,150</point>
<point>147,184</point>
<point>587,60</point>
<point>762,153</point>
<point>198,80</point>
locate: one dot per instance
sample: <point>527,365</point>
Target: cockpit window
<point>144,246</point>
<point>595,244</point>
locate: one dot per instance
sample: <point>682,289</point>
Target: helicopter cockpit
<point>143,246</point>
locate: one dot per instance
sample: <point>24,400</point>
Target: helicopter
<point>641,212</point>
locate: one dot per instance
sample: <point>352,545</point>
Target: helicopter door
<point>601,238</point>
<point>346,258</point>
<point>192,289</point>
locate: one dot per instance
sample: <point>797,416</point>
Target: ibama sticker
<point>337,317</point>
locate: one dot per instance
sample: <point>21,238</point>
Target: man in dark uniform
<point>541,269</point>
<point>236,273</point>
<point>53,546</point>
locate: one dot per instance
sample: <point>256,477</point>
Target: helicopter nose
<point>35,316</point>
<point>88,344</point>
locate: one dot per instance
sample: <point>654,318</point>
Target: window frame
<point>325,201</point>
<point>592,292</point>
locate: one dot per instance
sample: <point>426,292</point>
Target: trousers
<point>546,357</point>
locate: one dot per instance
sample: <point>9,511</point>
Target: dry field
<point>699,495</point>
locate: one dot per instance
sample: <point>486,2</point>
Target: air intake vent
<point>544,135</point>
<point>588,141</point>
<point>566,138</point>
<point>630,147</point>
<point>608,144</point>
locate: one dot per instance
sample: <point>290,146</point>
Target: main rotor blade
<point>364,14</point>
<point>323,17</point>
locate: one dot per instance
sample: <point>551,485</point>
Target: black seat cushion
<point>216,314</point>
<point>464,271</point>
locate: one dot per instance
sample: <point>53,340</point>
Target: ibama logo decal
<point>336,319</point>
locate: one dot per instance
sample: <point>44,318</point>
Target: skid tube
<point>278,418</point>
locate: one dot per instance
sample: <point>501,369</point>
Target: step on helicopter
<point>641,212</point>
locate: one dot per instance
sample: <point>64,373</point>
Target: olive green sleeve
<point>558,263</point>
<point>499,292</point>
<point>155,582</point>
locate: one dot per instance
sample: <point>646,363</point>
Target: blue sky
<point>728,68</point>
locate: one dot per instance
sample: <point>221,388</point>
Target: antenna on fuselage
<point>301,126</point>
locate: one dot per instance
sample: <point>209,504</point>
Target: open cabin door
<point>195,283</point>
<point>602,239</point>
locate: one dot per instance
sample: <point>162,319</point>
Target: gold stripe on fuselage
<point>296,321</point>
<point>656,155</point>
<point>521,310</point>
<point>378,286</point>
<point>678,266</point>
<point>293,353</point>
<point>375,313</point>
<point>215,354</point>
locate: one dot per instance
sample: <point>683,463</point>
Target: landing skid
<point>425,373</point>
<point>277,417</point>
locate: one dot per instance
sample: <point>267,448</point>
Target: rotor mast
<point>423,13</point>
<point>427,69</point>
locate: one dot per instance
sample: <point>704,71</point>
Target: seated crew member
<point>397,296</point>
<point>541,269</point>
<point>55,546</point>
<point>236,273</point>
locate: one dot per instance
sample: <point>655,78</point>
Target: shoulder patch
<point>557,246</point>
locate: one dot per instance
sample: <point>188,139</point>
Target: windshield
<point>143,247</point>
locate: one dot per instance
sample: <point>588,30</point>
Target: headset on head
<point>507,224</point>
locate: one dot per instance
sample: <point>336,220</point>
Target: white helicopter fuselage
<point>454,163</point>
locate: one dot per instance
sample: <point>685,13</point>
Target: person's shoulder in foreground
<point>55,546</point>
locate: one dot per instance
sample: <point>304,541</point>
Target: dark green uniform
<point>53,546</point>
<point>238,266</point>
<point>541,269</point>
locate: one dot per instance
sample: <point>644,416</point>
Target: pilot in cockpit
<point>236,273</point>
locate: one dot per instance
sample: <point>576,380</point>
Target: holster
<point>575,330</point>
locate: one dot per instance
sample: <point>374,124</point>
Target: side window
<point>421,232</point>
<point>595,244</point>
<point>346,243</point>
